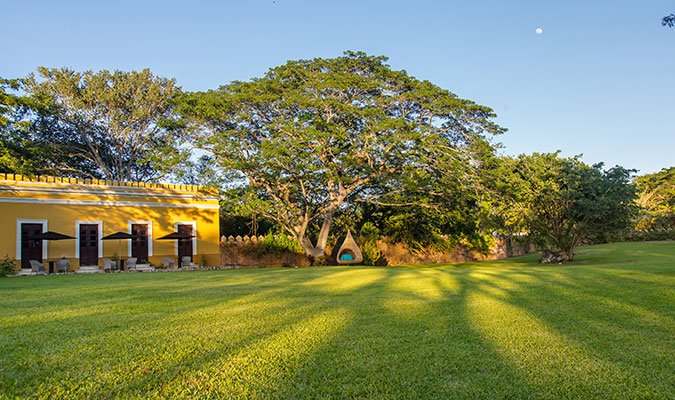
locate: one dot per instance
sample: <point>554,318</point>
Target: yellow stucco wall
<point>114,205</point>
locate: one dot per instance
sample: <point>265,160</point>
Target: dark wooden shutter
<point>30,249</point>
<point>139,242</point>
<point>88,244</point>
<point>185,245</point>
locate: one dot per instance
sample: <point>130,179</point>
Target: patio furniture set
<point>62,265</point>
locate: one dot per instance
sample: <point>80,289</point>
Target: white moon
<point>539,31</point>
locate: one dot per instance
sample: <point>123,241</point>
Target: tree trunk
<point>315,252</point>
<point>549,256</point>
<point>567,255</point>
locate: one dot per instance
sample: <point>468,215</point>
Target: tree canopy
<point>312,144</point>
<point>312,135</point>
<point>13,151</point>
<point>657,199</point>
<point>110,122</point>
<point>668,20</point>
<point>22,150</point>
<point>561,202</point>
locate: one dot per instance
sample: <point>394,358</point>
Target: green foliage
<point>349,217</point>
<point>370,252</point>
<point>423,229</point>
<point>20,151</point>
<point>416,233</point>
<point>238,219</point>
<point>7,266</point>
<point>657,200</point>
<point>108,124</point>
<point>312,135</point>
<point>279,243</point>
<point>481,243</point>
<point>561,202</point>
<point>8,101</point>
<point>199,171</point>
<point>369,232</point>
<point>369,236</point>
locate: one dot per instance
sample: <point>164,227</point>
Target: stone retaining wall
<point>244,252</point>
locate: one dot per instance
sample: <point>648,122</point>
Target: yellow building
<point>90,209</point>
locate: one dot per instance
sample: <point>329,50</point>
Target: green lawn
<point>602,327</point>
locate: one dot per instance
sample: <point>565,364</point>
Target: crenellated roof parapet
<point>101,182</point>
<point>21,188</point>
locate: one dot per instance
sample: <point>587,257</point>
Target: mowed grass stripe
<point>602,327</point>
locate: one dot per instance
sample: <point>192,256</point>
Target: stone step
<point>88,269</point>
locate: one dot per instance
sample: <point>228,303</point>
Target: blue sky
<point>599,80</point>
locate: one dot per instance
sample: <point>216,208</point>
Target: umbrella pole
<point>49,254</point>
<point>119,253</point>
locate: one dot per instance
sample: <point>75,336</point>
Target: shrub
<point>369,250</point>
<point>420,231</point>
<point>7,266</point>
<point>481,243</point>
<point>278,244</point>
<point>369,231</point>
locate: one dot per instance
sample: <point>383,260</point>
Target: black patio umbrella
<point>49,235</point>
<point>177,236</point>
<point>118,236</point>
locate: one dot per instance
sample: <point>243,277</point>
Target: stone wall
<point>400,254</point>
<point>244,252</point>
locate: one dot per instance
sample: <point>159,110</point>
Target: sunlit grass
<point>602,327</point>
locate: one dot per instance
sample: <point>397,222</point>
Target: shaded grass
<point>602,327</point>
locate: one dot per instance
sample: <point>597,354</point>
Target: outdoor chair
<point>131,264</point>
<point>36,266</point>
<point>186,261</point>
<point>168,263</point>
<point>62,265</point>
<point>108,264</point>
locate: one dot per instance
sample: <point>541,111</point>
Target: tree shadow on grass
<point>107,335</point>
<point>405,341</point>
<point>604,328</point>
<point>490,335</point>
<point>512,331</point>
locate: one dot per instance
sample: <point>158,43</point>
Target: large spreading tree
<point>105,124</point>
<point>560,202</point>
<point>311,135</point>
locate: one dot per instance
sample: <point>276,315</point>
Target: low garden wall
<point>401,254</point>
<point>245,252</point>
